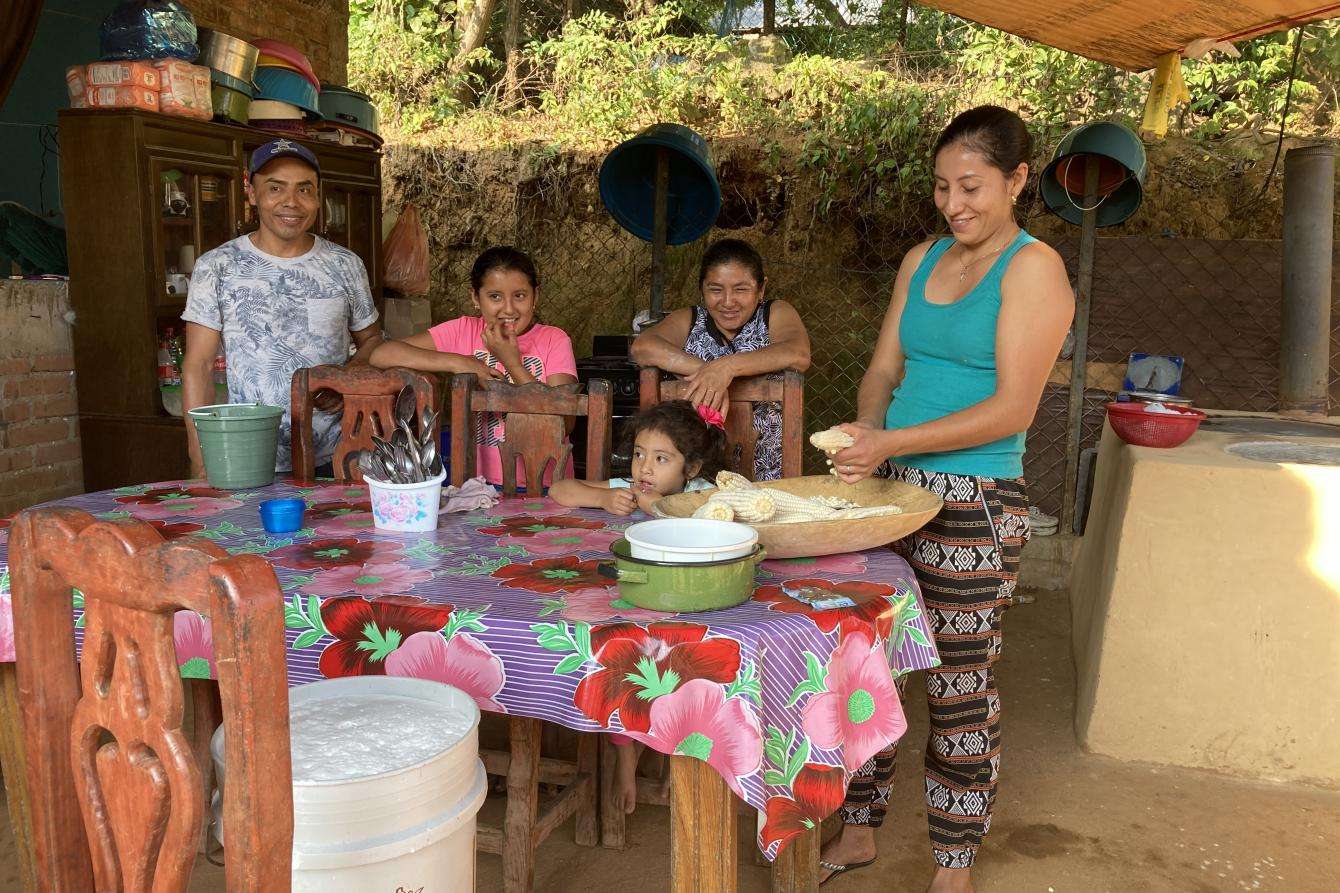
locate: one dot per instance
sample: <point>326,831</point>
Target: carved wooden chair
<point>534,418</point>
<point>786,388</point>
<point>535,432</point>
<point>117,796</point>
<point>369,408</point>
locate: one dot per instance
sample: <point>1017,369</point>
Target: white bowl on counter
<point>690,540</point>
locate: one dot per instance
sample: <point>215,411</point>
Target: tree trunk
<point>473,26</point>
<point>831,12</point>
<point>509,44</point>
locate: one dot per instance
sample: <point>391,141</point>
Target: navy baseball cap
<point>279,149</point>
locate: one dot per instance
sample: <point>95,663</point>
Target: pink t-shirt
<point>546,351</point>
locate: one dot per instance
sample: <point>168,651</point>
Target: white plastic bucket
<point>410,828</point>
<point>406,508</point>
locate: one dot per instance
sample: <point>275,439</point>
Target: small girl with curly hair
<point>677,448</point>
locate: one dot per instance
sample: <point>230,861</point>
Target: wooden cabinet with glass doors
<point>145,196</point>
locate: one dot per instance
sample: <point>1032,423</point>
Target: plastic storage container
<point>409,827</point>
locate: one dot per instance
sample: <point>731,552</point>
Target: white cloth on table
<point>474,494</point>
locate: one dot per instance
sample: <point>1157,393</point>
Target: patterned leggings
<point>967,561</point>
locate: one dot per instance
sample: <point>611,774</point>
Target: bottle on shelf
<point>167,370</point>
<point>220,368</point>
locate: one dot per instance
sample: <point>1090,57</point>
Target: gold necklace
<point>963,273</point>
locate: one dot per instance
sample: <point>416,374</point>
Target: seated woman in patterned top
<point>733,333</point>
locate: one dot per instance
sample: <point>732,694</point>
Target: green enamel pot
<point>682,588</point>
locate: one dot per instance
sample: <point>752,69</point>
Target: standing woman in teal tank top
<point>974,327</point>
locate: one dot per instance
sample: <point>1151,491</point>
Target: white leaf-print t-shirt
<point>277,315</point>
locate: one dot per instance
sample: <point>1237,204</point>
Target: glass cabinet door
<point>194,212</point>
<point>335,215</point>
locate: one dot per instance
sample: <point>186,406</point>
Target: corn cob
<point>715,510</point>
<point>870,511</point>
<point>750,506</point>
<point>834,502</point>
<point>729,480</point>
<point>832,440</point>
<point>792,508</point>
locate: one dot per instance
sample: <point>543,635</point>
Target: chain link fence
<point>1214,303</point>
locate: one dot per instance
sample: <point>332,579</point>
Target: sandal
<point>841,869</point>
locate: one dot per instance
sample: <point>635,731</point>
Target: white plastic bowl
<point>690,540</point>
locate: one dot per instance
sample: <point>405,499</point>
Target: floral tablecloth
<point>507,605</point>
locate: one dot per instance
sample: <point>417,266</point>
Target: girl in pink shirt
<point>503,342</point>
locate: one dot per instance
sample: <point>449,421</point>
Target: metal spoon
<point>428,456</point>
<point>367,464</point>
<point>404,404</point>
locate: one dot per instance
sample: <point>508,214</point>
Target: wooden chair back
<point>369,408</point>
<point>786,388</point>
<point>116,795</point>
<point>533,414</point>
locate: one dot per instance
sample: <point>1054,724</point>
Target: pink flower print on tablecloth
<point>860,711</point>
<point>371,579</point>
<point>194,642</point>
<point>464,662</point>
<point>696,720</point>
<point>598,605</point>
<point>343,492</point>
<point>333,552</point>
<point>6,626</point>
<point>849,564</point>
<point>564,541</point>
<point>508,507</point>
<point>318,513</point>
<point>350,524</point>
<point>639,665</point>
<point>368,632</point>
<point>165,503</point>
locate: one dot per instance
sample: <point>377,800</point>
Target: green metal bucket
<point>238,441</point>
<point>1122,170</point>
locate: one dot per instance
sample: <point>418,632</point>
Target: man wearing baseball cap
<point>277,300</point>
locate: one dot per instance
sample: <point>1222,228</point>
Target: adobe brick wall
<point>39,427</point>
<point>319,28</point>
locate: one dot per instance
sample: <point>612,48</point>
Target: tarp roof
<point>1132,34</point>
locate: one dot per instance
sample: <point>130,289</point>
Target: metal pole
<point>658,227</point>
<point>1079,358</point>
<point>1305,315</point>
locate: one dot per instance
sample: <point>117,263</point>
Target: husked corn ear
<point>834,502</point>
<point>870,511</point>
<point>715,510</point>
<point>792,508</point>
<point>832,440</point>
<point>750,506</point>
<point>729,480</point>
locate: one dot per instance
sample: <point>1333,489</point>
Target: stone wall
<point>319,28</point>
<point>39,425</point>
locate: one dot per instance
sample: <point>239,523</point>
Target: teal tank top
<point>950,352</point>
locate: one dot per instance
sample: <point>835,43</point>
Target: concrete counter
<point>1206,610</point>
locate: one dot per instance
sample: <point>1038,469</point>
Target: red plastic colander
<point>1153,429</point>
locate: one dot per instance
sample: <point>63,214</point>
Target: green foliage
<point>856,107</point>
<point>403,53</point>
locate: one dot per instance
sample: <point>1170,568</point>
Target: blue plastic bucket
<point>628,184</point>
<point>1122,169</point>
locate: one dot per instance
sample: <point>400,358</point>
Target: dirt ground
<point>1065,820</point>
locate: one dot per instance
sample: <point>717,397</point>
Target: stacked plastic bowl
<point>287,89</point>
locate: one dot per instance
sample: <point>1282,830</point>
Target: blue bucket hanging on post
<point>628,184</point>
<point>1122,169</point>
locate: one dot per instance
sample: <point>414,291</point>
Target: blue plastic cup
<point>282,515</point>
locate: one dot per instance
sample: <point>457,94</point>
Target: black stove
<point>609,360</point>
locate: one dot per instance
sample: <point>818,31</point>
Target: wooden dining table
<point>770,702</point>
